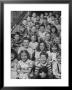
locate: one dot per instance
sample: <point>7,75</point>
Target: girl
<point>33,44</point>
<point>40,48</point>
<point>54,48</point>
<point>24,65</point>
<point>54,32</point>
<point>14,62</point>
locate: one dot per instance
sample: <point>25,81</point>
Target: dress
<point>25,68</point>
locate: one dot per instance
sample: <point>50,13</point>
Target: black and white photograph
<point>35,44</point>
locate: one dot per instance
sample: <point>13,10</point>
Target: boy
<point>44,62</point>
<point>25,46</point>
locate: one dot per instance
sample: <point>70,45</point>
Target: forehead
<point>33,27</point>
<point>47,34</point>
<point>54,46</point>
<point>41,26</point>
<point>41,43</point>
<point>23,53</point>
<point>16,35</point>
<point>33,36</point>
<point>26,41</point>
<point>43,55</point>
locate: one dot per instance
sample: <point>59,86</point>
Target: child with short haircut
<point>25,46</point>
<point>24,65</point>
<point>44,62</point>
<point>42,32</point>
<point>14,62</point>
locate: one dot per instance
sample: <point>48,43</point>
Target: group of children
<point>36,46</point>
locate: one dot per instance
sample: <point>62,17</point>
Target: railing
<point>19,19</point>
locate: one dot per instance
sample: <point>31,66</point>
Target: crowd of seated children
<point>36,46</point>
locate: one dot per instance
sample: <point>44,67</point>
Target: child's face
<point>25,22</point>
<point>48,27</point>
<point>34,14</point>
<point>50,14</point>
<point>57,16</point>
<point>24,56</point>
<point>59,59</point>
<point>54,48</point>
<point>42,16</point>
<point>46,14</point>
<point>37,18</point>
<point>53,30</point>
<point>12,56</point>
<point>33,38</point>
<point>16,37</point>
<point>45,20</point>
<point>52,18</point>
<point>37,26</point>
<point>33,29</point>
<point>42,46</point>
<point>47,36</point>
<point>43,59</point>
<point>57,40</point>
<point>26,43</point>
<point>36,72</point>
<point>43,74</point>
<point>42,28</point>
<point>56,22</point>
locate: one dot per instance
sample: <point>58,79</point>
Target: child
<point>42,32</point>
<point>40,48</point>
<point>16,41</point>
<point>44,62</point>
<point>54,48</point>
<point>41,18</point>
<point>33,17</point>
<point>33,44</point>
<point>57,67</point>
<point>24,65</point>
<point>14,62</point>
<point>54,32</point>
<point>25,46</point>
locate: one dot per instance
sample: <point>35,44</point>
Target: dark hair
<point>44,53</point>
<point>25,38</point>
<point>28,56</point>
<point>56,45</point>
<point>42,25</point>
<point>15,53</point>
<point>38,47</point>
<point>56,31</point>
